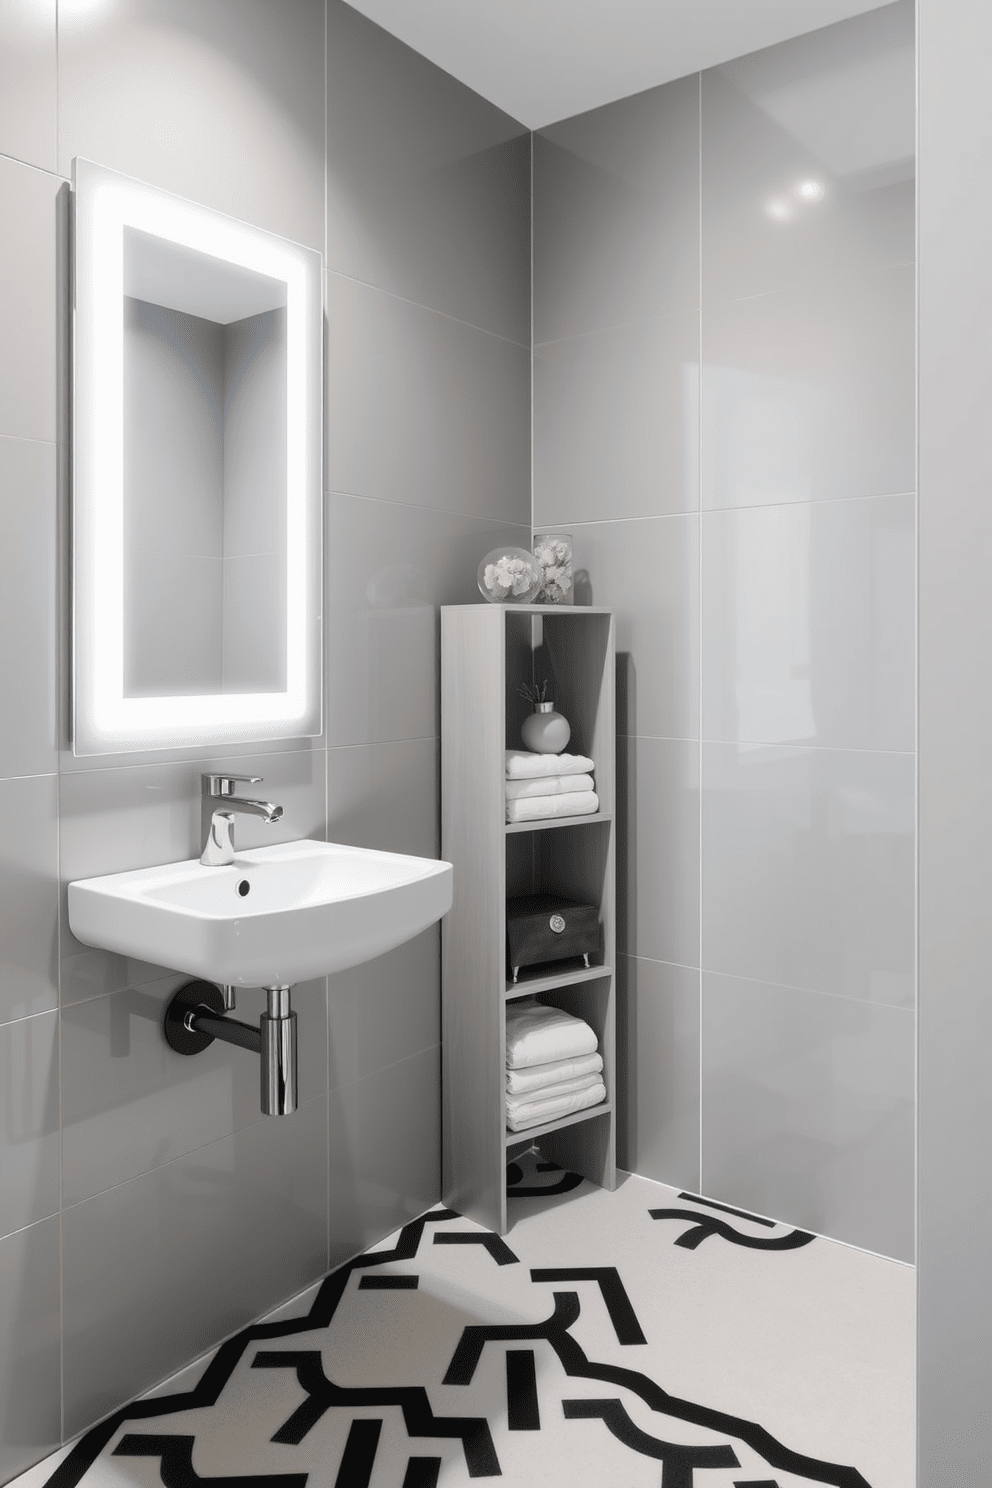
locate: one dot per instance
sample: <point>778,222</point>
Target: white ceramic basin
<point>309,908</point>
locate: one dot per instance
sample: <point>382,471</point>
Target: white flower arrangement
<point>509,576</point>
<point>554,554</point>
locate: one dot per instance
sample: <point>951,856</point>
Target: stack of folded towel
<point>541,785</point>
<point>553,1066</point>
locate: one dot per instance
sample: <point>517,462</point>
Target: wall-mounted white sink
<point>276,916</point>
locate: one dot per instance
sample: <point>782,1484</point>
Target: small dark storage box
<point>546,927</point>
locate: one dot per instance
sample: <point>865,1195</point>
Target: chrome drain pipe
<point>278,1073</point>
<point>195,1017</point>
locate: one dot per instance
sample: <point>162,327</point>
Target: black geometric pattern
<point>704,1225</point>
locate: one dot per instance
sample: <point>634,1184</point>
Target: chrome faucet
<point>218,822</point>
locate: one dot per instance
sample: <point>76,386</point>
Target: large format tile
<point>29,250</point>
<point>616,422</point>
<point>808,1110</point>
<point>28,82</point>
<point>28,609</point>
<point>130,1103</point>
<point>135,816</point>
<point>833,111</point>
<point>647,572</point>
<point>616,212</point>
<point>809,394</point>
<point>388,568</point>
<point>29,897</point>
<point>159,1269</point>
<point>808,869</point>
<point>423,408</point>
<point>428,195</point>
<point>658,849</point>
<point>30,1383</point>
<point>809,624</point>
<point>658,1035</point>
<point>385,1010</point>
<point>29,1121</point>
<point>385,796</point>
<point>220,103</point>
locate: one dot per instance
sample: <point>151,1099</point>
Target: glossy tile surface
<point>423,408</point>
<point>616,213</point>
<point>28,558</point>
<point>388,568</point>
<point>647,572</point>
<point>217,103</point>
<point>29,248</point>
<point>808,1110</point>
<point>29,897</point>
<point>137,1300</point>
<point>130,1103</point>
<point>809,394</point>
<point>809,617</point>
<point>385,796</point>
<point>658,849</point>
<point>832,111</point>
<point>616,422</point>
<point>429,196</point>
<point>384,1010</point>
<point>28,81</point>
<point>29,1121</point>
<point>808,869</point>
<point>30,1386</point>
<point>658,1011</point>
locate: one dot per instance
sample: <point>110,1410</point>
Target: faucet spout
<point>218,836</point>
<point>267,810</point>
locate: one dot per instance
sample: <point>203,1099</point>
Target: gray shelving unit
<point>486,650</point>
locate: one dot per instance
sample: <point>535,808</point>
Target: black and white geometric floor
<point>644,1337</point>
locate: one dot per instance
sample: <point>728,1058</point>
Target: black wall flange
<point>195,1017</point>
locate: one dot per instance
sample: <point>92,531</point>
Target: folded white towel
<point>539,808</point>
<point>536,1034</point>
<point>522,765</point>
<point>547,785</point>
<point>552,1092</point>
<point>534,1113</point>
<point>540,1076</point>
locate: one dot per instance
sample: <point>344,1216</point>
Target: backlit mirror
<point>196,474</point>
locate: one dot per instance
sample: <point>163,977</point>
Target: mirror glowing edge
<point>197,395</point>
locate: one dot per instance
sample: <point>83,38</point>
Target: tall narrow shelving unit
<point>486,651</point>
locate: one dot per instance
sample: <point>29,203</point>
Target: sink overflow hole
<point>243,887</point>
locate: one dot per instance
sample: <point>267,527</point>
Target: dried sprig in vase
<point>545,731</point>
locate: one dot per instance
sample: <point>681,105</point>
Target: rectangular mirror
<point>196,474</point>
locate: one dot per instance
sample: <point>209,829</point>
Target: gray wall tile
<point>658,1035</point>
<point>428,195</point>
<point>30,1384</point>
<point>808,869</point>
<point>28,82</point>
<point>28,896</point>
<point>423,408</point>
<point>808,1110</point>
<point>385,796</point>
<point>29,248</point>
<point>658,849</point>
<point>28,607</point>
<point>141,1294</point>
<point>29,1121</point>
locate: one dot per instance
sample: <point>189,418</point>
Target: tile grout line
<point>699,604</point>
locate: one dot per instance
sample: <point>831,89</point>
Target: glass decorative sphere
<point>510,576</point>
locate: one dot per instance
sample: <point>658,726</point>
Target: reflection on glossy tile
<point>215,102</point>
<point>28,740</point>
<point>28,293</point>
<point>832,111</point>
<point>616,212</point>
<point>616,422</point>
<point>648,573</point>
<point>139,1302</point>
<point>809,624</point>
<point>28,81</point>
<point>388,568</point>
<point>808,869</point>
<point>385,796</point>
<point>658,849</point>
<point>808,1110</point>
<point>428,197</point>
<point>134,816</point>
<point>30,1388</point>
<point>658,1036</point>
<point>423,408</point>
<point>29,897</point>
<point>29,1121</point>
<point>810,394</point>
<point>130,1103</point>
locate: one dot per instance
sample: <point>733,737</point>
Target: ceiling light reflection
<point>810,191</point>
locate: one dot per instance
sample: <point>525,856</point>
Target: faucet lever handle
<point>223,785</point>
